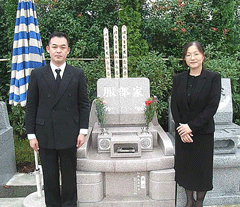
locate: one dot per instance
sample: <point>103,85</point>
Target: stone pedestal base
<point>7,154</point>
<point>123,201</point>
<point>162,184</point>
<point>90,186</point>
<point>33,200</point>
<point>226,179</point>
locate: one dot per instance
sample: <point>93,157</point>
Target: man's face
<point>58,50</point>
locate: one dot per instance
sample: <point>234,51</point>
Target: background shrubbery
<point>156,34</point>
<point>168,25</point>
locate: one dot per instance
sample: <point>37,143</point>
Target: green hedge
<point>168,25</point>
<point>155,30</point>
<point>229,67</point>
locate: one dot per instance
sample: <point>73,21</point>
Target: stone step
<point>22,179</point>
<point>11,202</point>
<point>16,191</point>
<point>20,185</point>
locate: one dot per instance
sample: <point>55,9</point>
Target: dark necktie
<point>58,79</point>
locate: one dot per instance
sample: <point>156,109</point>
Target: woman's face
<point>194,58</point>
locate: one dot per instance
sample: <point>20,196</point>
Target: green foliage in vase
<point>150,109</point>
<point>101,111</point>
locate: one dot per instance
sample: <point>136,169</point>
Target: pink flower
<point>183,30</point>
<point>225,31</point>
<point>154,100</point>
<point>214,29</point>
<point>161,7</point>
<point>180,22</point>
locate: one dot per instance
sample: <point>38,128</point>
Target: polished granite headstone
<point>125,99</point>
<point>126,167</point>
<point>7,152</point>
<point>226,160</point>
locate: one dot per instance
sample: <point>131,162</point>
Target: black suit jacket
<point>56,115</point>
<point>205,99</point>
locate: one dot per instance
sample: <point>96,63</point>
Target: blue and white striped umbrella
<point>27,51</point>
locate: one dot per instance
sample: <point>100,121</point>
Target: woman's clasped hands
<point>185,133</point>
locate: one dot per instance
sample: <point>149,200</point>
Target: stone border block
<point>90,186</point>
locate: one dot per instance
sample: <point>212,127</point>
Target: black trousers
<point>52,160</point>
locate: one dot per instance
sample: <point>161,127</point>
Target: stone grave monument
<point>7,152</point>
<point>125,166</point>
<point>226,160</point>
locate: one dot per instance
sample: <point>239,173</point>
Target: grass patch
<point>24,153</point>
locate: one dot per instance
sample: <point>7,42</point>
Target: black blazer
<point>205,99</point>
<point>56,115</point>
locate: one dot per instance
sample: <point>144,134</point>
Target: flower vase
<point>145,130</point>
<point>146,139</point>
<point>104,140</point>
<point>104,131</point>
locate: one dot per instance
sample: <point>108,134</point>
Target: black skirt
<point>194,162</point>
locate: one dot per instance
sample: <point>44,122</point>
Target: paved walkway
<point>21,185</point>
<point>15,191</point>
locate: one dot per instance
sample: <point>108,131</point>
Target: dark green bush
<point>168,25</point>
<point>93,71</point>
<point>155,69</point>
<point>130,16</point>
<point>17,120</point>
<point>7,22</point>
<point>24,153</point>
<point>82,20</point>
<point>229,67</point>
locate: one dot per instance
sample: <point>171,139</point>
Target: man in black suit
<point>57,114</point>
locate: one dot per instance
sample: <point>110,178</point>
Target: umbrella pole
<point>37,173</point>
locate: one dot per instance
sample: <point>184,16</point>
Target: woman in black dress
<point>194,101</point>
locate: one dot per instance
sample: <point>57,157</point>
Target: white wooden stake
<point>116,51</point>
<point>124,52</point>
<point>107,53</point>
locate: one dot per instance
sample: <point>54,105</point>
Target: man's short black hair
<point>58,34</point>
